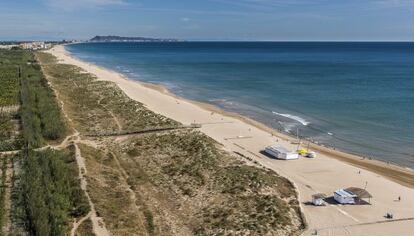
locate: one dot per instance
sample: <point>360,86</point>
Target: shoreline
<point>399,173</point>
<point>329,171</point>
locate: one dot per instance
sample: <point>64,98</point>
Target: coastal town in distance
<point>198,119</point>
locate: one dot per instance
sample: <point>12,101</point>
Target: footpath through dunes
<point>40,193</point>
<point>173,180</point>
<point>323,174</point>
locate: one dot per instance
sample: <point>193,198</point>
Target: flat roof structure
<point>361,193</point>
<point>345,193</point>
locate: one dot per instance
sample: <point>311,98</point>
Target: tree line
<point>46,193</point>
<point>49,195</point>
<point>40,113</point>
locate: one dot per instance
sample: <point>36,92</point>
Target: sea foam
<point>293,117</point>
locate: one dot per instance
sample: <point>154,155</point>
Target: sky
<point>274,20</point>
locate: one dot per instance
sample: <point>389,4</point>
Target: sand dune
<point>328,172</point>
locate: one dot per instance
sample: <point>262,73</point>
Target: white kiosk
<point>281,153</point>
<point>344,197</point>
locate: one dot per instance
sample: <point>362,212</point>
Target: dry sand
<point>330,171</point>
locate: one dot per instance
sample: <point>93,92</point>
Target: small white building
<point>343,196</point>
<point>8,46</point>
<point>281,153</point>
<point>35,45</point>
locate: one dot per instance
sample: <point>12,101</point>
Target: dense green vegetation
<point>10,61</point>
<point>9,138</point>
<point>46,193</point>
<point>9,90</point>
<point>22,83</point>
<point>40,113</point>
<point>49,193</point>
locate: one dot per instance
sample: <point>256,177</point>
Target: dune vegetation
<point>177,182</point>
<point>40,192</point>
<point>53,118</point>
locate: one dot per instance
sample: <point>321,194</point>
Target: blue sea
<point>354,96</point>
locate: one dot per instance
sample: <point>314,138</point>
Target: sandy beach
<point>330,171</point>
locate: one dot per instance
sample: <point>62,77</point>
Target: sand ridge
<point>323,174</point>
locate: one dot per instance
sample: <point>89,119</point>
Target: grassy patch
<point>107,189</point>
<point>207,191</point>
<point>98,106</point>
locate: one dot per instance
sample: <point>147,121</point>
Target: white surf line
<point>293,117</point>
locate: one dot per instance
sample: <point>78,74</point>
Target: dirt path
<point>98,224</point>
<point>118,124</point>
<point>9,153</point>
<point>132,194</point>
<point>76,224</point>
<point>9,109</point>
<point>7,198</point>
<point>99,227</point>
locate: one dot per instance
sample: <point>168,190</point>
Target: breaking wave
<point>293,117</point>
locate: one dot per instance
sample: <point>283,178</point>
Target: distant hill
<point>128,39</point>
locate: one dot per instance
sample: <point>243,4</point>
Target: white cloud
<point>185,19</point>
<point>74,4</point>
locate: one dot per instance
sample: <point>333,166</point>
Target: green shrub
<point>49,193</point>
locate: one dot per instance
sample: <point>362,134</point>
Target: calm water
<point>358,97</point>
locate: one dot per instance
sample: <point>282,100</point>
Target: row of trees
<point>9,88</point>
<point>10,61</point>
<point>46,192</point>
<point>40,113</point>
<point>49,193</point>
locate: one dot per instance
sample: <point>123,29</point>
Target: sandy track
<point>98,224</point>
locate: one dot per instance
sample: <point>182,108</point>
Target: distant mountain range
<point>128,39</point>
